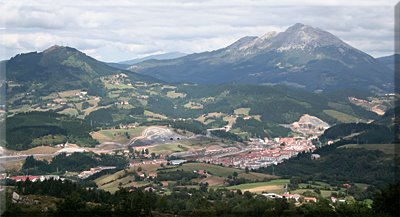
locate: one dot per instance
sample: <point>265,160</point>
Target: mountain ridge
<point>302,55</point>
<point>163,56</point>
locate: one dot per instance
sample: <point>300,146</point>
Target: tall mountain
<point>59,68</point>
<point>301,56</point>
<point>164,56</point>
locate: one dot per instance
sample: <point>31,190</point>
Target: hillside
<point>301,56</point>
<point>27,130</point>
<point>379,131</point>
<point>389,61</point>
<point>55,69</point>
<point>341,165</point>
<point>65,81</point>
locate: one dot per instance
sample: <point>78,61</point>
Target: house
<point>315,156</point>
<point>149,189</point>
<point>287,196</point>
<point>201,172</point>
<point>310,199</point>
<point>247,118</point>
<point>48,177</point>
<point>25,178</point>
<point>346,185</point>
<point>271,195</point>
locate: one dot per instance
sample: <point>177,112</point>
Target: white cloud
<point>120,30</point>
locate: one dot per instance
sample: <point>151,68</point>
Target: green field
<point>342,117</point>
<point>117,135</point>
<point>70,112</point>
<point>275,186</point>
<point>168,148</point>
<point>223,171</point>
<point>111,182</point>
<point>128,181</point>
<point>154,115</point>
<point>325,188</point>
<point>108,178</point>
<point>324,193</point>
<point>174,95</point>
<point>121,86</point>
<point>213,169</point>
<point>316,184</point>
<point>242,111</point>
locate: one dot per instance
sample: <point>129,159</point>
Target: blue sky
<point>120,30</point>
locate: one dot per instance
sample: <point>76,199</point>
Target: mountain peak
<point>296,37</point>
<point>302,56</point>
<point>52,48</point>
<point>59,48</point>
<point>300,36</point>
<point>298,26</point>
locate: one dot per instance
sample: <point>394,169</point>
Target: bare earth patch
<point>265,188</point>
<point>41,150</point>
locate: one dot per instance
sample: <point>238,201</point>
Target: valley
<point>115,130</point>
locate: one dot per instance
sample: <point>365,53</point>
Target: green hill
<point>27,130</point>
<point>56,69</point>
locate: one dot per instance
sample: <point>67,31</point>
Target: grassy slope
<point>386,148</point>
<point>275,186</point>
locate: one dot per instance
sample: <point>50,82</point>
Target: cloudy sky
<point>121,30</point>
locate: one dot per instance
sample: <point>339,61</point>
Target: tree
<point>388,200</point>
<point>85,105</point>
<point>203,186</point>
<point>130,149</point>
<point>71,204</point>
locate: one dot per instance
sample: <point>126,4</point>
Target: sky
<point>118,30</point>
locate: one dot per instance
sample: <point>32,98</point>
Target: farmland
<point>117,135</point>
<point>275,186</point>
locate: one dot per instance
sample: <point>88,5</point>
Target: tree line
<point>76,199</point>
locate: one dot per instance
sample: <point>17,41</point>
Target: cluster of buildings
<point>145,162</point>
<point>78,96</point>
<point>296,197</point>
<point>39,178</point>
<point>259,153</point>
<point>117,79</point>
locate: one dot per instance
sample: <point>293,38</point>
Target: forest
<point>22,130</point>
<point>340,165</point>
<point>75,162</point>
